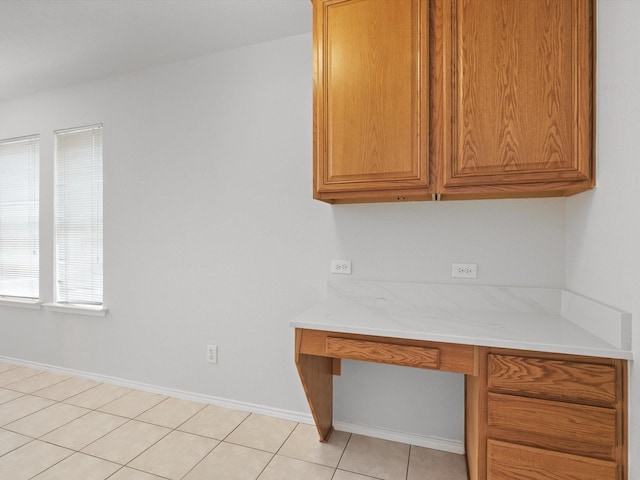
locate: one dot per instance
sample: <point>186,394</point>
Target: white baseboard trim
<point>170,392</point>
<point>435,443</point>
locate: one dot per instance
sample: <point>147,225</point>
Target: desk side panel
<point>316,375</point>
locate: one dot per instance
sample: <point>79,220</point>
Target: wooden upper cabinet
<point>519,91</point>
<point>460,98</point>
<point>371,92</point>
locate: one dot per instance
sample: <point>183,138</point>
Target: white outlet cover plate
<point>212,353</point>
<point>464,270</point>
<point>342,267</point>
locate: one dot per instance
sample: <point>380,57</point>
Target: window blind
<point>78,215</point>
<point>19,217</point>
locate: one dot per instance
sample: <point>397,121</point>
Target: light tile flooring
<point>54,427</point>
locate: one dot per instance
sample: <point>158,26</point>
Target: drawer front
<point>571,428</point>
<point>406,355</point>
<point>508,462</point>
<point>452,357</point>
<point>553,379</point>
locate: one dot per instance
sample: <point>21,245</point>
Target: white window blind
<point>19,205</point>
<point>78,215</point>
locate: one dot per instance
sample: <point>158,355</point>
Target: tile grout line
<point>8,387</point>
<point>342,454</point>
<point>202,459</point>
<point>171,430</point>
<point>278,450</point>
<point>51,466</point>
<point>156,422</point>
<point>406,476</point>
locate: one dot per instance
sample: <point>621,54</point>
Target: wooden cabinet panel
<point>566,427</point>
<point>380,352</point>
<point>451,357</point>
<point>316,375</point>
<point>508,462</point>
<point>521,101</point>
<point>370,99</point>
<point>452,98</point>
<point>553,379</point>
<point>508,436</point>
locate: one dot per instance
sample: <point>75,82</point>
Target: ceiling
<point>46,44</point>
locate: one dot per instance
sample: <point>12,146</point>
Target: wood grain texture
<point>517,83</point>
<point>510,435</point>
<point>371,91</point>
<point>561,426</point>
<point>509,462</point>
<point>475,423</point>
<point>316,375</point>
<point>585,383</point>
<point>515,86</point>
<point>622,407</point>
<point>380,352</point>
<point>554,372</point>
<point>452,357</point>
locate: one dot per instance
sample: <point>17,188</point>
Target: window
<point>19,215</point>
<point>78,215</point>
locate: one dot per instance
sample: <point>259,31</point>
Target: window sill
<point>20,302</point>
<point>92,310</point>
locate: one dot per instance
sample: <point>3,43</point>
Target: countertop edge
<point>537,319</point>
<point>479,342</point>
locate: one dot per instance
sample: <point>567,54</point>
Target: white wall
<point>212,236</point>
<point>603,226</point>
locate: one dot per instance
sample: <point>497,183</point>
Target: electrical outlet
<point>341,266</point>
<point>464,270</point>
<point>212,353</point>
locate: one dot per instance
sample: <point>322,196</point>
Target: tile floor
<point>54,427</point>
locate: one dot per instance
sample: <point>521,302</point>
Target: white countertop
<point>539,319</point>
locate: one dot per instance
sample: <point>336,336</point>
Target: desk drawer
<point>507,461</point>
<point>380,352</point>
<point>553,379</point>
<point>566,427</point>
<point>451,357</point>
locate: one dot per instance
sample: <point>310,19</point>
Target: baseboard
<point>435,443</point>
<point>402,437</point>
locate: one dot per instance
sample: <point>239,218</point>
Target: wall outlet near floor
<point>464,270</point>
<point>341,266</point>
<point>212,353</point>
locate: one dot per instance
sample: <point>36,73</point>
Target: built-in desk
<point>544,392</point>
<point>318,356</point>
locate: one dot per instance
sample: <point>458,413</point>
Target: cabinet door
<point>371,91</point>
<point>520,97</point>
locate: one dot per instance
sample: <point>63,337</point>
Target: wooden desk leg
<point>316,374</point>
<point>317,380</point>
<point>475,435</point>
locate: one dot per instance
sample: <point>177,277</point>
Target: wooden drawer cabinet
<point>546,416</point>
<point>528,415</point>
<point>507,461</point>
